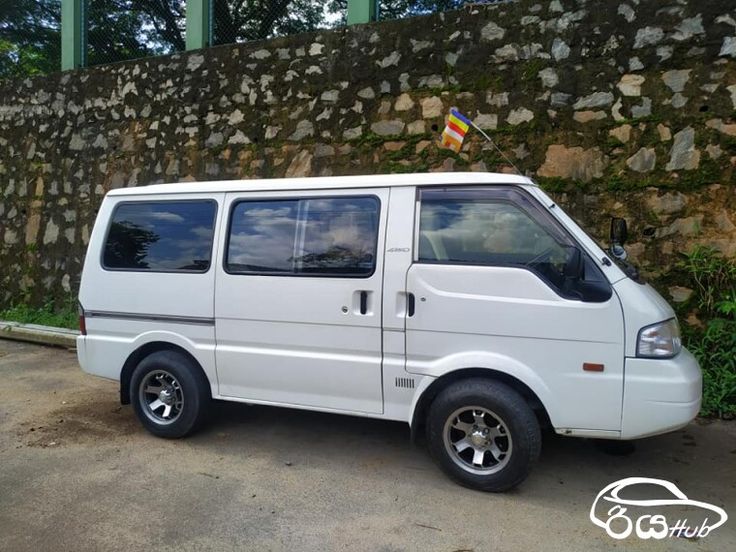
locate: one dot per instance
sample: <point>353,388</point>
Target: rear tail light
<point>82,321</point>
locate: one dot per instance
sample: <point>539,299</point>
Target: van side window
<point>481,231</point>
<point>161,236</point>
<point>315,236</point>
<point>502,227</point>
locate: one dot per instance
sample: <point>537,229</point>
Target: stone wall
<point>618,108</point>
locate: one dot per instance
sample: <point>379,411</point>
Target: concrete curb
<point>34,333</point>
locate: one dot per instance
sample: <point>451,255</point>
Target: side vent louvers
<point>407,383</point>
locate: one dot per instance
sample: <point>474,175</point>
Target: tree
<point>130,29</point>
<point>243,20</point>
<point>30,41</point>
<point>30,32</point>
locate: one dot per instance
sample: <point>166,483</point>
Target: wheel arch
<point>144,351</point>
<point>438,385</point>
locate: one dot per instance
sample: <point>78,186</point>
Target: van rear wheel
<point>169,393</point>
<point>483,434</point>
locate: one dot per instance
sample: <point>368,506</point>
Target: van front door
<point>490,291</point>
<point>298,299</point>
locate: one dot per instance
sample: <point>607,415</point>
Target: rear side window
<point>161,236</point>
<point>308,237</point>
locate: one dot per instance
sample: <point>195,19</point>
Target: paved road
<point>78,473</point>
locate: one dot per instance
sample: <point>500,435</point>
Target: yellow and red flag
<point>457,127</point>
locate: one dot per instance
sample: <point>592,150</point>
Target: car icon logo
<point>658,517</point>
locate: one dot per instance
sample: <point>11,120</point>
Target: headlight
<point>660,340</point>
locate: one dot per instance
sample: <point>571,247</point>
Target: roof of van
<point>328,182</point>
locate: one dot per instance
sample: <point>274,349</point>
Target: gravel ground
<point>77,472</point>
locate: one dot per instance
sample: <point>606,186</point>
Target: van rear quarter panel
<point>124,302</point>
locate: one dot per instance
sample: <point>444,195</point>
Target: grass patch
<point>713,279</point>
<point>48,315</point>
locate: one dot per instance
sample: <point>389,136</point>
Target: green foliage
<point>30,30</point>
<point>531,69</point>
<point>709,172</point>
<point>65,316</point>
<point>394,167</point>
<point>554,183</point>
<point>372,140</point>
<point>131,29</point>
<point>622,182</point>
<point>404,153</point>
<point>484,81</point>
<point>727,307</point>
<point>30,37</point>
<point>611,144</point>
<point>714,281</point>
<point>715,349</point>
<point>239,21</point>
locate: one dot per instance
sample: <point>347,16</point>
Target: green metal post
<point>198,24</point>
<point>72,34</point>
<point>362,11</point>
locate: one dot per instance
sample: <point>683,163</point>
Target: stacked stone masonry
<point>618,108</point>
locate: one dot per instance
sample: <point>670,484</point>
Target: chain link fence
<point>118,30</point>
<point>113,30</point>
<point>246,20</point>
<point>399,9</point>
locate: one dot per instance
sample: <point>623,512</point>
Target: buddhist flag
<point>457,127</point>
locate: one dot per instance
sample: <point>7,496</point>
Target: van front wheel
<point>169,394</point>
<point>483,434</point>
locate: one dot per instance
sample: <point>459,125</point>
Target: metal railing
<point>41,36</point>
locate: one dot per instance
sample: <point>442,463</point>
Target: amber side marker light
<point>591,367</point>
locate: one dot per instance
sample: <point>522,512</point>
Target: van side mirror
<point>619,235</point>
<point>619,232</point>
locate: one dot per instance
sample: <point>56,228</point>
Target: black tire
<point>517,432</point>
<point>180,377</point>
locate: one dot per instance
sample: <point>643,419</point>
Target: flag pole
<point>476,127</point>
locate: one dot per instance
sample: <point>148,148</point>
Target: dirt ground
<point>77,472</point>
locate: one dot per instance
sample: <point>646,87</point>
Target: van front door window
<point>475,228</point>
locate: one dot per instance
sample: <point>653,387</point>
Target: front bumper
<point>660,395</point>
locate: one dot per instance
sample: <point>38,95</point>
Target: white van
<point>466,304</point>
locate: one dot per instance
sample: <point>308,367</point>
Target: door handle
<point>410,304</point>
<point>363,302</point>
